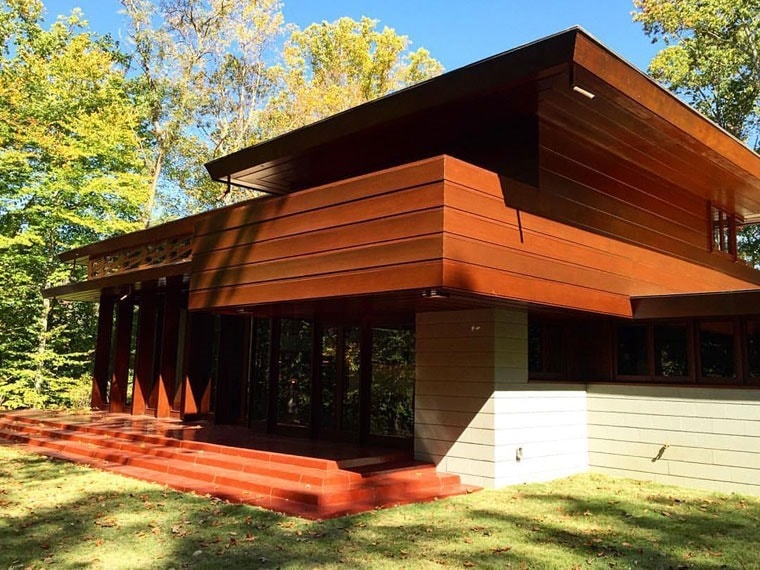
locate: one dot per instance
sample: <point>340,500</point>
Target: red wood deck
<point>299,477</point>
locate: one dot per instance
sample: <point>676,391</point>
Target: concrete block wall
<point>474,407</point>
<point>707,438</point>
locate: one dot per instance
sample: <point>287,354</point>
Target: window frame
<point>723,226</point>
<point>738,350</point>
<point>651,376</point>
<point>544,324</point>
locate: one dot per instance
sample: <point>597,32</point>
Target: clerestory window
<point>723,231</point>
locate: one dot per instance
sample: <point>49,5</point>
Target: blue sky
<point>455,32</point>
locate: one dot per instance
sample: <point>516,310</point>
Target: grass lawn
<point>58,515</point>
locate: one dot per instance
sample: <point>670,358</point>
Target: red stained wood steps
<point>299,477</point>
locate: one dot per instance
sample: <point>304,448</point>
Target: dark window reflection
<point>716,349</point>
<point>632,351</point>
<point>671,350</point>
<point>753,348</point>
<point>546,350</point>
<point>294,389</point>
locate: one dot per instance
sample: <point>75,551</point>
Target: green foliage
<point>330,67</point>
<point>69,175</point>
<point>210,84</point>
<point>203,78</point>
<point>96,142</point>
<point>711,57</point>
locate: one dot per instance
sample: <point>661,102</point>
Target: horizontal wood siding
<point>496,250</point>
<point>697,437</point>
<point>372,234</point>
<point>439,222</point>
<point>605,176</point>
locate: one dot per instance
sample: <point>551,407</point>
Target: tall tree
<point>69,174</point>
<point>204,78</point>
<point>330,67</point>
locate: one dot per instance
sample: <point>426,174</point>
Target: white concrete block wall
<point>712,435</point>
<point>548,424</point>
<point>474,407</point>
<point>453,400</point>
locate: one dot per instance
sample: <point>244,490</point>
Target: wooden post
<point>120,376</point>
<point>198,370</point>
<point>168,369</point>
<point>99,398</point>
<point>146,334</point>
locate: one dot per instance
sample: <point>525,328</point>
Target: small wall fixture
<point>434,294</point>
<point>583,92</point>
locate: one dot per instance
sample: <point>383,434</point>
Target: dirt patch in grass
<point>58,515</point>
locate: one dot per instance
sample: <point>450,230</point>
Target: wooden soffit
<point>485,114</point>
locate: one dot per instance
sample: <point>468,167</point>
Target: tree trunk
<point>42,338</point>
<point>150,203</point>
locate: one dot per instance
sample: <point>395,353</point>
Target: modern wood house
<point>522,269</point>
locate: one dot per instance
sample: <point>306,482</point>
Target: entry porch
<point>312,479</point>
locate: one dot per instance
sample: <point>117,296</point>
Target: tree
<point>211,84</point>
<point>712,59</point>
<point>69,174</point>
<point>204,79</point>
<point>330,67</point>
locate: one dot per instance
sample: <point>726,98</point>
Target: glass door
<point>295,371</point>
<point>392,384</point>
<point>340,383</point>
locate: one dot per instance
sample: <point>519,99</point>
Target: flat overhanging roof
<point>690,305</point>
<point>478,113</point>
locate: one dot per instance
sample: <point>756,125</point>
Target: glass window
<point>671,350</point>
<point>329,371</point>
<point>260,345</point>
<point>392,391</point>
<point>723,231</point>
<point>753,348</point>
<point>294,385</point>
<point>633,350</point>
<point>546,349</point>
<point>717,355</point>
<point>351,379</point>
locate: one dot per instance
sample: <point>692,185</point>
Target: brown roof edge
<point>479,77</point>
<point>686,305</point>
<point>616,71</point>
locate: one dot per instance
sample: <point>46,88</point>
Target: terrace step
<point>311,487</point>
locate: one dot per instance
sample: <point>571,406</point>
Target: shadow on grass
<point>65,516</point>
<point>664,532</point>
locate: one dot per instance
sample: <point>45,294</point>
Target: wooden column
<point>120,375</point>
<point>198,370</point>
<point>146,335</point>
<point>99,398</point>
<point>168,369</point>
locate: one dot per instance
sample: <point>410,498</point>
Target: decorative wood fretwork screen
<point>164,252</point>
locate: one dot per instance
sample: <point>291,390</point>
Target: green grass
<point>58,515</point>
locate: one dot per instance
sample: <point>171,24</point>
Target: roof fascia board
<point>596,58</point>
<point>538,58</point>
